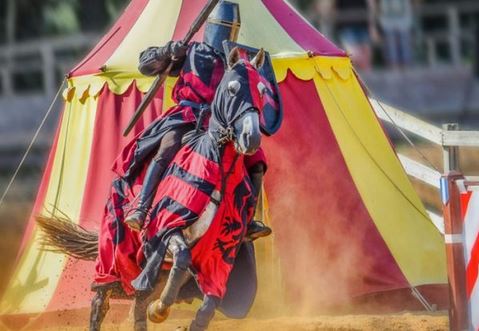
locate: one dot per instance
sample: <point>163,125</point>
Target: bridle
<point>221,134</point>
<point>224,134</point>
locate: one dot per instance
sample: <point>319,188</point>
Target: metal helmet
<point>223,24</point>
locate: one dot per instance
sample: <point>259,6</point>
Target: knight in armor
<point>199,67</point>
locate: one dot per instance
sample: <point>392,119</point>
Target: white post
<point>6,77</point>
<point>11,18</point>
<point>450,153</point>
<point>48,59</point>
<point>431,52</point>
<point>454,34</point>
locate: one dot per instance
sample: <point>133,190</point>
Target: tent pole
<point>415,292</point>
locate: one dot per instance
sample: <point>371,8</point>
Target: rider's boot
<point>153,175</point>
<point>205,314</point>
<point>257,229</point>
<point>159,310</point>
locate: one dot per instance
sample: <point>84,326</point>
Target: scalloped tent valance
<point>302,67</point>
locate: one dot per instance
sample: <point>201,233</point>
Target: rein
<point>204,108</point>
<point>225,176</point>
<point>220,134</point>
<point>224,135</point>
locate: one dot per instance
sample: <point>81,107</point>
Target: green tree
<point>27,19</point>
<point>3,22</point>
<point>97,15</point>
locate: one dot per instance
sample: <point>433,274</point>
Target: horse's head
<point>238,101</point>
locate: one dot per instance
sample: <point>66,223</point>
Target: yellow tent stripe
<point>37,275</point>
<point>154,27</point>
<point>380,179</point>
<point>260,29</point>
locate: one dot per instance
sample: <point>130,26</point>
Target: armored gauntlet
<point>155,60</point>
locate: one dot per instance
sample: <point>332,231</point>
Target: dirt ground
<point>403,322</point>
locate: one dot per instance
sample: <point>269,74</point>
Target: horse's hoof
<point>157,313</point>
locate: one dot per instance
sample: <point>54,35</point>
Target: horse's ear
<point>258,60</point>
<point>233,57</point>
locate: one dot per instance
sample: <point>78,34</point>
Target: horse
<point>218,231</point>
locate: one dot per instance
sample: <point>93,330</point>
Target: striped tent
<point>346,220</point>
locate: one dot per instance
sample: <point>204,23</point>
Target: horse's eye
<point>233,87</point>
<point>261,88</point>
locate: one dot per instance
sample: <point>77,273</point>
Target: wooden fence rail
<point>449,139</point>
<point>423,129</point>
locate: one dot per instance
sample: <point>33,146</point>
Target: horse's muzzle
<point>248,134</point>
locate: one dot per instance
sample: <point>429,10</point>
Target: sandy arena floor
<point>403,322</point>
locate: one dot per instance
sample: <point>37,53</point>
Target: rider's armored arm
<point>155,60</point>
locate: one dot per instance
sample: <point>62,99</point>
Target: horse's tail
<point>61,235</point>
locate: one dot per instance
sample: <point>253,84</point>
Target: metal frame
<point>450,138</point>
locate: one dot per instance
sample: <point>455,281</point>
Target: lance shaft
<point>160,79</point>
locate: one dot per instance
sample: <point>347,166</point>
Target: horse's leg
<point>205,314</point>
<point>158,311</point>
<point>139,310</point>
<point>99,307</point>
<point>143,299</point>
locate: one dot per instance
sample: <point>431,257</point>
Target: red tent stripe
<point>188,12</point>
<point>328,205</point>
<point>110,42</point>
<point>298,29</point>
